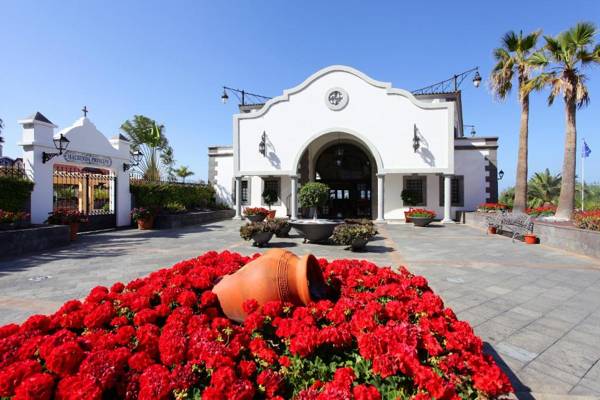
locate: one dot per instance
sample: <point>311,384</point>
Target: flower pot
<point>145,223</point>
<point>358,244</point>
<point>284,231</point>
<point>315,230</point>
<point>421,221</point>
<point>256,217</point>
<point>271,214</point>
<point>261,238</point>
<point>530,239</point>
<point>74,226</point>
<point>491,230</point>
<point>278,275</point>
<point>406,217</point>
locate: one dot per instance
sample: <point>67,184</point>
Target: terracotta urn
<point>492,230</point>
<point>530,239</point>
<point>276,275</point>
<point>74,228</point>
<point>145,223</point>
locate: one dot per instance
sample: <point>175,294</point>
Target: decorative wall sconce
<point>500,175</point>
<point>136,157</point>
<point>416,140</point>
<point>473,132</point>
<point>262,146</point>
<point>61,143</point>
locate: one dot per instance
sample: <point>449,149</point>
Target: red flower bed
<point>420,213</point>
<point>587,220</point>
<point>256,211</point>
<point>492,207</point>
<point>164,337</point>
<point>543,211</point>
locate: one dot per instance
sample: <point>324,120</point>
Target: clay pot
<point>491,230</point>
<point>276,275</point>
<point>406,217</point>
<point>530,239</point>
<point>74,229</point>
<point>271,214</point>
<point>145,223</point>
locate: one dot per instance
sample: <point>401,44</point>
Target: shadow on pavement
<point>522,391</point>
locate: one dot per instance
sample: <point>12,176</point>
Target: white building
<point>356,134</point>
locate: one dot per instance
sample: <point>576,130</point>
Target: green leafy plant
<point>141,213</point>
<point>158,195</point>
<point>347,233</point>
<point>252,228</point>
<point>14,192</point>
<point>313,195</point>
<point>269,197</point>
<point>174,207</point>
<point>183,172</point>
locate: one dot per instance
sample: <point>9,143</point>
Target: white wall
<point>223,179</point>
<point>384,117</point>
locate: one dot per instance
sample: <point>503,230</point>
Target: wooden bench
<point>518,223</point>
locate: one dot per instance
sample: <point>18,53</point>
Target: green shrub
<point>159,195</point>
<point>313,194</point>
<point>347,233</point>
<point>252,228</point>
<point>14,193</point>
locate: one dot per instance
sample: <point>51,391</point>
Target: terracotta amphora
<point>276,275</point>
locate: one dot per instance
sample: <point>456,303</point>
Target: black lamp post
<point>242,95</point>
<point>451,84</point>
<point>60,143</point>
<point>262,146</point>
<point>473,132</point>
<point>136,157</point>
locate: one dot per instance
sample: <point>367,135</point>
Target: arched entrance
<point>347,170</point>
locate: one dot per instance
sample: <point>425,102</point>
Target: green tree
<point>314,195</point>
<point>562,60</point>
<point>149,138</point>
<point>507,196</point>
<point>183,172</point>
<point>544,188</point>
<point>513,62</point>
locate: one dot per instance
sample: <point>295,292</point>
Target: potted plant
<point>255,214</point>
<point>260,232</point>
<point>420,216</point>
<point>408,200</point>
<point>313,195</point>
<point>530,238</point>
<point>144,217</point>
<point>63,216</point>
<point>492,229</point>
<point>354,235</point>
<point>13,220</point>
<point>270,197</point>
<point>283,227</point>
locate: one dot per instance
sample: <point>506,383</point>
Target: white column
<point>447,200</point>
<point>380,194</point>
<point>238,197</point>
<point>294,197</point>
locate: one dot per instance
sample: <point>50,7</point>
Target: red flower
<point>35,387</point>
<point>155,383</point>
<point>65,359</point>
<point>78,387</point>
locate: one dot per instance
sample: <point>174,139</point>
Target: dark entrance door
<point>347,170</point>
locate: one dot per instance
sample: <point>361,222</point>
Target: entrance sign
<point>87,158</point>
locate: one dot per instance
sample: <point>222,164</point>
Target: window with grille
<point>245,190</point>
<point>416,186</point>
<point>273,184</point>
<point>457,191</point>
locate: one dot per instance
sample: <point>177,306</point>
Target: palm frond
<point>510,41</point>
<point>581,92</point>
<point>582,34</point>
<point>529,42</point>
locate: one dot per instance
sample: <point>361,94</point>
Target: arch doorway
<point>347,170</point>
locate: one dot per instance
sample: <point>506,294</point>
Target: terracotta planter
<point>146,223</point>
<point>256,217</point>
<point>74,229</point>
<point>276,275</point>
<point>530,239</point>
<point>271,214</point>
<point>492,230</point>
<point>406,217</point>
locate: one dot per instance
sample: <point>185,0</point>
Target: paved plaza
<point>537,309</point>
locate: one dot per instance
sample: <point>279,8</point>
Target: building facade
<point>369,142</point>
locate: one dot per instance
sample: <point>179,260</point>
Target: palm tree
<point>183,172</point>
<point>562,59</point>
<point>544,188</point>
<point>148,137</point>
<point>512,60</point>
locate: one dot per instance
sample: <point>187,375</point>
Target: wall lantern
<point>477,79</point>
<point>262,146</point>
<point>500,175</point>
<point>416,140</point>
<point>224,97</point>
<point>61,143</point>
<point>473,132</point>
<point>136,157</point>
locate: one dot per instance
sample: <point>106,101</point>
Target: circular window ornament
<point>336,98</point>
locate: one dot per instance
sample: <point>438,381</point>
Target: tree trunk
<point>566,199</point>
<point>520,202</point>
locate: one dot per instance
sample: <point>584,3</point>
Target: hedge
<point>159,195</point>
<point>14,193</point>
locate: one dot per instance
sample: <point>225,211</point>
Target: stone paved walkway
<point>537,309</point>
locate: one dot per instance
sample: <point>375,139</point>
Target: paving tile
<point>538,381</point>
<point>573,358</point>
<point>516,352</point>
<point>530,340</point>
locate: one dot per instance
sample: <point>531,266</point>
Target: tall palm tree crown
<point>561,61</point>
<point>543,188</point>
<point>513,60</point>
<point>183,172</point>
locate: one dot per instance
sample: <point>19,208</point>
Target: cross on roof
<point>85,111</point>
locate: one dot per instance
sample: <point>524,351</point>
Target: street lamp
<point>60,143</point>
<point>477,79</point>
<point>224,97</point>
<point>451,84</point>
<point>242,95</point>
<point>416,141</point>
<point>262,146</point>
<point>473,132</point>
<point>500,175</point>
<point>136,157</point>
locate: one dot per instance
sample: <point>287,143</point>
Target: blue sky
<point>169,60</point>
